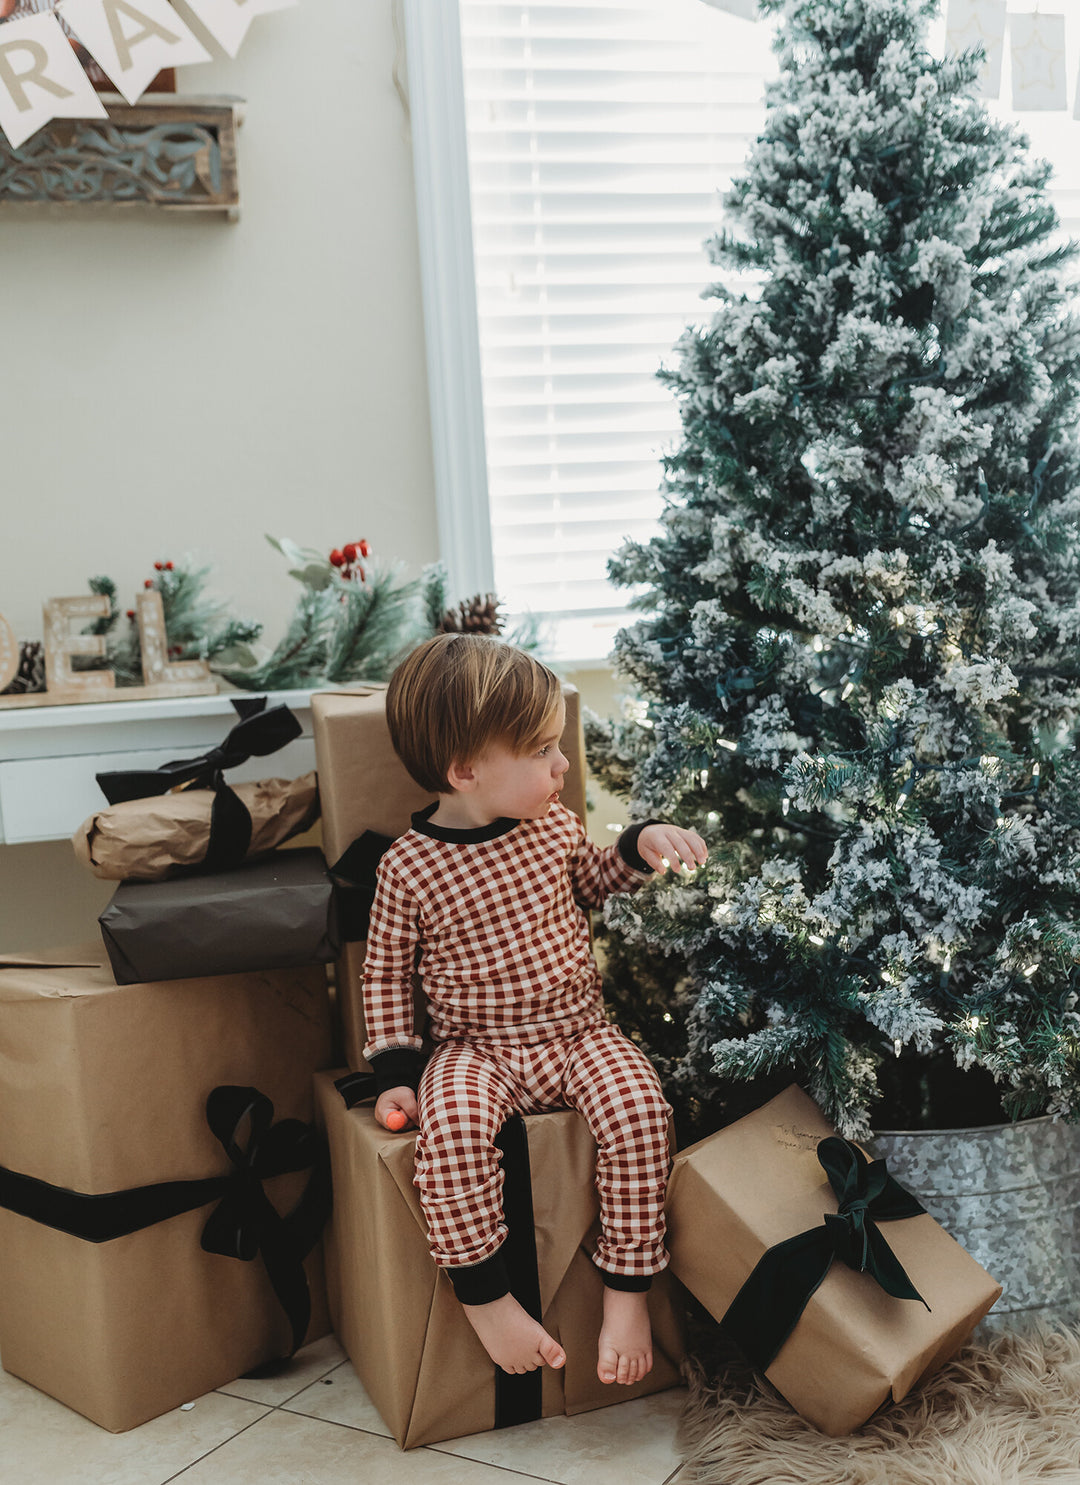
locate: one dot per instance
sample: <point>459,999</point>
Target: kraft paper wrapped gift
<point>279,912</point>
<point>226,825</point>
<point>147,840</point>
<point>104,1088</point>
<point>759,1183</point>
<point>364,787</point>
<point>397,1315</point>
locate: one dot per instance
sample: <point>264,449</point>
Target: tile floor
<point>315,1426</point>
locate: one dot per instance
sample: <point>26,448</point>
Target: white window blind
<point>600,139</point>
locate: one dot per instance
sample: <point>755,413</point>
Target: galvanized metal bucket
<point>1010,1195</point>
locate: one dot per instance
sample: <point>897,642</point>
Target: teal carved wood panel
<point>166,151</point>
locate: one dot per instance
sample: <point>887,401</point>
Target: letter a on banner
<point>40,79</point>
<point>132,40</point>
<point>228,20</point>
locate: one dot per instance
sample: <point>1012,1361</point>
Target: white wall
<point>179,385</point>
<point>182,384</point>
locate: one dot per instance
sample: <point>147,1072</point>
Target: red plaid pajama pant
<point>470,1088</point>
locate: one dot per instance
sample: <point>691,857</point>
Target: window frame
<point>448,289</point>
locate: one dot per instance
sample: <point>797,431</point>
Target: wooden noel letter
<point>60,645</point>
<point>185,677</point>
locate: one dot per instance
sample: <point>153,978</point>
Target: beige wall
<point>183,386</point>
<point>180,385</point>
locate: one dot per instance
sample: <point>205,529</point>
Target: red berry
<point>349,551</point>
<point>337,559</point>
<point>168,567</point>
<point>158,566</point>
<point>149,583</point>
<point>131,613</point>
<point>365,548</point>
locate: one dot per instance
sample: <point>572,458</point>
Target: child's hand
<point>396,1108</point>
<point>669,845</point>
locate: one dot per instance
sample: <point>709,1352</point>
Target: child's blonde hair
<point>456,694</point>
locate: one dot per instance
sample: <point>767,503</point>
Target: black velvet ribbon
<point>518,1396</point>
<point>353,875</point>
<point>768,1306</point>
<point>242,1225</point>
<point>259,731</point>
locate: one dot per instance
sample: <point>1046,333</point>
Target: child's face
<point>521,786</point>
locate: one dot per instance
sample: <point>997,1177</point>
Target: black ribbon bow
<point>353,875</point>
<point>242,1225</point>
<point>768,1306</point>
<point>259,731</point>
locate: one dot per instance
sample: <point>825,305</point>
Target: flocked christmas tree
<point>859,648</point>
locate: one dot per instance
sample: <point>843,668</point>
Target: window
<point>592,144</point>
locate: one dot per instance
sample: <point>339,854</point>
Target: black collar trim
<point>421,822</point>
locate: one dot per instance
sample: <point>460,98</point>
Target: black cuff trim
<point>397,1067</point>
<point>630,1283</point>
<point>627,844</point>
<point>481,1283</point>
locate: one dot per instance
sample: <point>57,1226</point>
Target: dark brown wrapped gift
<point>107,1089</point>
<point>275,913</point>
<point>364,787</point>
<point>396,1313</point>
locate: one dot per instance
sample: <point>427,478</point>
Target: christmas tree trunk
<point>860,619</point>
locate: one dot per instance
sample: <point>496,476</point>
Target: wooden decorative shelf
<point>166,150</point>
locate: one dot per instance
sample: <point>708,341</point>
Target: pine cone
<point>477,615</point>
<point>30,675</point>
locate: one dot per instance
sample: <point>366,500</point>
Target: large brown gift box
<point>104,1088</point>
<point>398,1318</point>
<point>364,787</point>
<point>148,839</point>
<point>759,1182</point>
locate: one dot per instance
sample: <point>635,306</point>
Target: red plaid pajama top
<point>497,914</point>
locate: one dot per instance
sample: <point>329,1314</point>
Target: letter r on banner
<point>15,82</point>
<point>40,78</point>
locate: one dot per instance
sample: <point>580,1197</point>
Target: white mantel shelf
<point>49,755</point>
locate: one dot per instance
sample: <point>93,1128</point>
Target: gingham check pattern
<point>505,944</point>
<point>466,1093</point>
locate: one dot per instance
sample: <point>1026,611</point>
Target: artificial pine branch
<point>374,623</point>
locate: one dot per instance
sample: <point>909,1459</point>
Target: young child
<point>489,885</point>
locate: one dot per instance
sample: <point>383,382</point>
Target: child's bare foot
<point>513,1339</point>
<point>625,1353</point>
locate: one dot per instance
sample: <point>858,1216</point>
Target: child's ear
<point>461,777</point>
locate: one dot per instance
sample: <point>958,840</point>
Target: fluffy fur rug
<point>1006,1411</point>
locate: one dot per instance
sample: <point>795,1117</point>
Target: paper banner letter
<point>971,23</point>
<point>1038,61</point>
<point>228,20</point>
<point>9,654</point>
<point>60,645</point>
<point>40,78</point>
<point>132,40</point>
<point>157,668</point>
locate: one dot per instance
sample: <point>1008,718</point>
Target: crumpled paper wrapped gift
<point>148,839</point>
